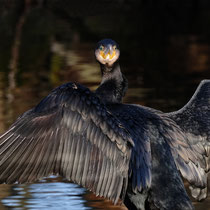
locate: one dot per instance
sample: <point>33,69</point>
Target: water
<point>44,44</point>
<point>46,194</point>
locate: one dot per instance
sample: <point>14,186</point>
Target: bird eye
<point>101,47</point>
<point>114,47</point>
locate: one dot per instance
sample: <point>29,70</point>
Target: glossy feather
<point>60,136</point>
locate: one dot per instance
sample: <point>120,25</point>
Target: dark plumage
<point>115,150</point>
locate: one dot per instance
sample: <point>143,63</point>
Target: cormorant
<point>116,150</point>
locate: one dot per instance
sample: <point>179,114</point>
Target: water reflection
<point>72,65</point>
<point>45,43</point>
<point>54,193</point>
<point>49,193</point>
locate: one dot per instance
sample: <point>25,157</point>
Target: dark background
<point>165,51</point>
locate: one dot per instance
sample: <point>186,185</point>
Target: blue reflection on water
<point>57,195</point>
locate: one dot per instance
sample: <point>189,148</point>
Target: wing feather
<point>194,120</point>
<point>113,177</point>
<point>187,161</point>
<point>71,133</point>
<point>80,162</point>
<point>109,174</point>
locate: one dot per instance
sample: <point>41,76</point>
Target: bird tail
<point>194,120</point>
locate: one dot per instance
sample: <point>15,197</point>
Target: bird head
<point>107,52</point>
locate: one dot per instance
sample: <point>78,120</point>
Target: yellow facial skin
<point>107,55</point>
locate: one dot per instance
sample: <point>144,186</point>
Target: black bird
<point>118,151</point>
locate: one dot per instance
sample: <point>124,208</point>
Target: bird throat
<point>113,85</point>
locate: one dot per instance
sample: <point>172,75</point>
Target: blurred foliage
<point>159,40</point>
<point>8,16</point>
<point>143,28</point>
<point>36,41</point>
<point>165,49</point>
<point>56,66</point>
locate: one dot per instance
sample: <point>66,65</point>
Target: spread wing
<point>188,160</point>
<point>72,134</point>
<point>194,120</point>
<point>134,119</point>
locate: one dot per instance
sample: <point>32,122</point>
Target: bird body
<point>118,151</point>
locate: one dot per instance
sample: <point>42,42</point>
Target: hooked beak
<point>108,53</point>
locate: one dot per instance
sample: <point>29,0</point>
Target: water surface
<point>43,45</point>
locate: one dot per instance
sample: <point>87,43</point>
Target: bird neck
<point>113,85</point>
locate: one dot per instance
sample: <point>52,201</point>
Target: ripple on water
<point>46,195</point>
